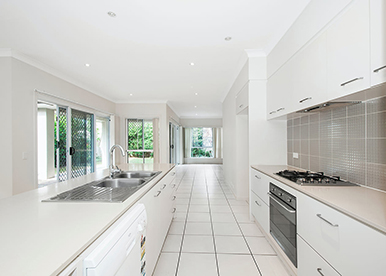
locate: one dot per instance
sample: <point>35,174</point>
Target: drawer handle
<point>347,82</point>
<point>174,210</point>
<point>258,177</point>
<point>379,69</point>
<point>320,271</point>
<point>322,218</point>
<point>305,99</point>
<point>272,112</point>
<point>174,198</point>
<point>158,193</point>
<point>173,174</point>
<point>163,187</point>
<point>174,185</point>
<point>257,203</point>
<point>280,109</point>
<point>241,105</point>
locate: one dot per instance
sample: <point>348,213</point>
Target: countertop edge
<point>360,219</point>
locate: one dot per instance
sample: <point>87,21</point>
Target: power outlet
<point>295,155</point>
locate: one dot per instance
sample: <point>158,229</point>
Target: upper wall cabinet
<point>310,74</point>
<point>378,41</point>
<point>348,51</point>
<point>242,99</point>
<point>280,89</point>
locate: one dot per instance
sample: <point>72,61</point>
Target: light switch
<point>295,155</point>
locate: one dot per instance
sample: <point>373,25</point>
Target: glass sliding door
<point>140,141</point>
<point>61,143</point>
<point>82,143</point>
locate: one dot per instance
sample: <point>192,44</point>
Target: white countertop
<point>42,238</point>
<point>361,203</point>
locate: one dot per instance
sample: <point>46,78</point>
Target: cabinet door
<point>310,263</point>
<point>280,87</point>
<point>260,211</point>
<point>242,99</point>
<point>260,185</point>
<point>378,41</point>
<point>310,74</point>
<point>351,247</point>
<point>348,51</point>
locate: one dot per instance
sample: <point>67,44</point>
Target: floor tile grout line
<point>186,221</point>
<point>242,233</point>
<point>211,225</point>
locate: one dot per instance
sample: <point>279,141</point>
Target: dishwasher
<point>122,251</point>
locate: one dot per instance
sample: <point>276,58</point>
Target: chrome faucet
<point>113,168</point>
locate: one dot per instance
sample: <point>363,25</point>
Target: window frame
<point>203,146</point>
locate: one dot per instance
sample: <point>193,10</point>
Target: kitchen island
<point>42,238</point>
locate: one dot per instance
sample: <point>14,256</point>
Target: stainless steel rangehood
<point>327,106</point>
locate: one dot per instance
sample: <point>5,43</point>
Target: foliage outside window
<point>140,137</point>
<point>202,142</point>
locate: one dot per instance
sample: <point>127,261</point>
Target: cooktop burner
<point>307,178</point>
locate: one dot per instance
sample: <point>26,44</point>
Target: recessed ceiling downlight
<point>228,38</point>
<point>196,94</point>
<point>192,63</point>
<point>87,65</point>
<point>112,14</point>
<point>131,95</point>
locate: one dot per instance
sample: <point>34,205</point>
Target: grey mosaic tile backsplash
<point>349,142</point>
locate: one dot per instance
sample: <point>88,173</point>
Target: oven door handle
<point>281,204</point>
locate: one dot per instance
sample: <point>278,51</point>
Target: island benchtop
<point>42,238</point>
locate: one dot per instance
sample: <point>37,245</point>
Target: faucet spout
<point>113,167</point>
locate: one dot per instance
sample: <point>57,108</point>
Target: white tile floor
<point>211,233</point>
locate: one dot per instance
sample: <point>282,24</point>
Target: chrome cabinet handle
<point>322,218</point>
<point>305,99</point>
<point>272,112</point>
<point>174,198</point>
<point>320,271</point>
<point>379,69</point>
<point>347,82</point>
<point>173,174</point>
<point>280,109</point>
<point>174,210</point>
<point>258,177</point>
<point>163,187</point>
<point>241,105</point>
<point>284,207</point>
<point>257,203</point>
<point>158,193</point>
<point>174,185</point>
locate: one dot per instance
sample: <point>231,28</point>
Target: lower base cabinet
<point>310,263</point>
<point>260,211</point>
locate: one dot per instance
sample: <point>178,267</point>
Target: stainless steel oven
<point>282,222</point>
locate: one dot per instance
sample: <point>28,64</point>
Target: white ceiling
<point>146,50</point>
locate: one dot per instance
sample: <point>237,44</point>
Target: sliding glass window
<point>140,141</point>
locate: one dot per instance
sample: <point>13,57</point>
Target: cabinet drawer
<point>349,246</point>
<point>260,211</point>
<point>260,184</point>
<point>310,263</point>
<point>242,99</point>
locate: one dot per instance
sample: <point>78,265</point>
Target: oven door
<point>283,226</point>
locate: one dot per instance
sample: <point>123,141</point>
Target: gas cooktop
<point>307,178</point>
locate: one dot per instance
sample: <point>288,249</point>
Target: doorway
<point>174,144</point>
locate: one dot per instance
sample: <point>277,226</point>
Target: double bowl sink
<point>117,188</point>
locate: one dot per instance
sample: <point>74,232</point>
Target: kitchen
<point>331,57</point>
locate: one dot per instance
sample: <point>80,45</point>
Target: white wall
<point>6,127</point>
<point>201,122</point>
<point>23,109</point>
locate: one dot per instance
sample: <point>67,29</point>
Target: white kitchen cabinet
<point>310,74</point>
<point>242,99</point>
<point>158,206</point>
<point>348,51</point>
<point>351,247</point>
<point>311,263</point>
<point>280,90</point>
<point>378,41</point>
<point>260,185</point>
<point>260,211</point>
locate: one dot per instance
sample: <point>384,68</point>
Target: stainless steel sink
<point>136,174</point>
<point>116,189</point>
<point>120,183</point>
